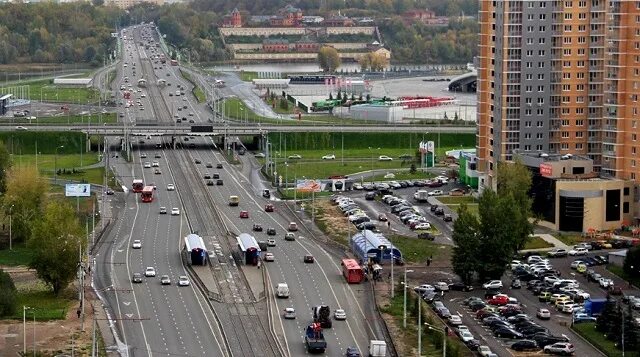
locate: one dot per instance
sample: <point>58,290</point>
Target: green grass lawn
<point>95,119</point>
<point>619,272</point>
<point>46,163</point>
<point>537,243</point>
<point>20,255</point>
<point>248,76</point>
<point>53,93</point>
<point>47,305</point>
<point>588,331</point>
<point>418,250</point>
<point>569,239</point>
<point>197,91</point>
<point>94,176</point>
<point>323,169</point>
<point>403,175</point>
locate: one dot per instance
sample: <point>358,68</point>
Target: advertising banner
<point>546,170</point>
<point>308,186</point>
<point>77,190</point>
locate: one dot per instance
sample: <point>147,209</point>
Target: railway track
<point>244,333</point>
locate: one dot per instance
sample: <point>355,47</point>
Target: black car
<point>460,286</point>
<point>525,345</point>
<point>544,339</point>
<point>426,235</point>
<point>257,228</point>
<point>430,297</point>
<point>507,333</point>
<point>209,182</point>
<point>137,278</point>
<point>473,345</point>
<point>439,211</point>
<point>477,305</point>
<point>266,193</point>
<point>370,196</point>
<point>207,176</point>
<point>271,231</point>
<point>219,182</point>
<point>209,165</point>
<point>352,352</point>
<point>197,161</point>
<point>218,166</point>
<point>489,293</point>
<point>216,175</point>
<point>447,218</point>
<point>433,208</point>
<point>110,192</point>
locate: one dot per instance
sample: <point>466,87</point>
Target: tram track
<point>247,336</point>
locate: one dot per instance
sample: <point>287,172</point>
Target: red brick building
<point>275,45</point>
<point>234,19</point>
<point>289,16</point>
<point>307,46</point>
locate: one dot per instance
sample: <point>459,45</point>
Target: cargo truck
<point>421,196</point>
<point>594,307</point>
<point>322,315</point>
<point>377,348</point>
<point>314,339</point>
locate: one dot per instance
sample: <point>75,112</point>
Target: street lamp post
<point>24,329</point>
<point>55,164</point>
<point>404,309</point>
<point>10,221</point>
<point>444,337</point>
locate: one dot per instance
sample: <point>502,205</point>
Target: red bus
<point>174,62</point>
<point>352,271</point>
<point>137,186</point>
<point>147,194</point>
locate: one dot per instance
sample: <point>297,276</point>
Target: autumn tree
<point>55,242</point>
<point>373,61</point>
<point>24,199</point>
<point>8,294</point>
<point>328,59</point>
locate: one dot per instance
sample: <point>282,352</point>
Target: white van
<point>282,291</point>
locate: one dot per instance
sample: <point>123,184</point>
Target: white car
<point>435,193</point>
<point>339,314</point>
<point>422,226</point>
<point>563,348</point>
<point>268,257</point>
<point>329,157</point>
<point>171,187</point>
<point>147,165</point>
<point>484,351</point>
<point>384,158</point>
<point>578,251</point>
<point>155,164</point>
<point>150,271</point>
<point>175,211</point>
<point>493,284</point>
<point>455,320</point>
<point>289,313</point>
<point>575,263</point>
<point>21,128</point>
<point>295,157</point>
<point>424,288</point>
<point>441,286</point>
<point>461,329</point>
<point>260,155</point>
<point>466,336</point>
<point>271,242</point>
<point>137,244</point>
<point>183,280</point>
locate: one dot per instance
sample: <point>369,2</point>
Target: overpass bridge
<point>234,129</point>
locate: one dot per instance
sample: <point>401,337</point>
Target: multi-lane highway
<point>155,319</point>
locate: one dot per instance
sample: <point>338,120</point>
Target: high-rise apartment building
<point>560,77</point>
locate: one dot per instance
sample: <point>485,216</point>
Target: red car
<point>244,214</point>
<point>268,208</point>
<point>499,300</point>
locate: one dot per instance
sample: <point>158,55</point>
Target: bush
<point>7,294</point>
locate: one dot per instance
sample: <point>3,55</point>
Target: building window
<point>579,146</point>
<point>633,137</point>
<point>633,150</point>
<point>565,134</point>
<point>564,146</point>
<point>625,206</point>
<point>626,191</point>
<point>580,122</point>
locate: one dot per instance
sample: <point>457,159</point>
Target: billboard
<point>546,170</point>
<point>308,186</point>
<point>77,190</point>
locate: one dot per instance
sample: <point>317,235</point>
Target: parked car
<point>543,314</point>
<point>560,348</point>
<point>493,284</point>
<point>557,252</point>
<point>525,345</point>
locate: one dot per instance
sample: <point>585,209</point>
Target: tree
<point>7,294</point>
<point>631,332</point>
<point>25,199</point>
<point>607,319</point>
<point>55,243</point>
<point>631,264</point>
<point>514,179</point>
<point>5,165</point>
<point>328,59</point>
<point>466,236</point>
